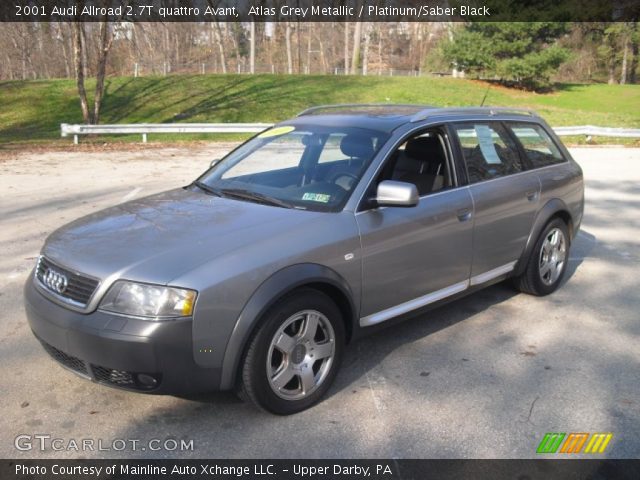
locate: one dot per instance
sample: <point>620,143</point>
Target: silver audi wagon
<point>256,276</point>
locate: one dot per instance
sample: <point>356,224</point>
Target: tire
<point>282,371</point>
<point>547,263</point>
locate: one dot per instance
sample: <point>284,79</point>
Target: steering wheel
<point>351,180</point>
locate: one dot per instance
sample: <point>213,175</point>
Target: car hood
<point>157,238</point>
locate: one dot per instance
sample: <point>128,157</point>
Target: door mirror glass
<point>397,194</point>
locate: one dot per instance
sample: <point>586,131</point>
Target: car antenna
<point>485,95</point>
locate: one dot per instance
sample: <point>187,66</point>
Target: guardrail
<point>146,128</point>
<point>591,131</point>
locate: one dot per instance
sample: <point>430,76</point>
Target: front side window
<point>422,159</point>
<point>489,152</point>
<point>305,167</point>
<point>537,145</point>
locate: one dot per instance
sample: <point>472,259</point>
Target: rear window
<point>538,146</point>
<point>489,152</point>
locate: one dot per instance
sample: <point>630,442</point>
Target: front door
<point>415,256</point>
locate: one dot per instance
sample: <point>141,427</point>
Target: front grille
<point>69,361</point>
<point>78,289</point>
<point>114,377</point>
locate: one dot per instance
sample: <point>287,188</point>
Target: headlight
<point>153,301</point>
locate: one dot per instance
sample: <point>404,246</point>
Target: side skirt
<point>433,297</point>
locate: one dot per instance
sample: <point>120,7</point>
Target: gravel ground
<point>484,377</point>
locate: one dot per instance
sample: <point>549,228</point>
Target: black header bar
<point>320,10</point>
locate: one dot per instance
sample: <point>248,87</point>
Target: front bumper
<point>120,351</point>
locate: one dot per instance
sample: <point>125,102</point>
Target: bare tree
<point>104,46</point>
<point>287,36</point>
<point>78,56</point>
<point>635,53</point>
<point>252,47</point>
<point>346,48</point>
<point>357,38</point>
<point>365,52</point>
<point>218,36</point>
<point>625,57</point>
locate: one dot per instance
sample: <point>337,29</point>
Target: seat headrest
<point>356,146</point>
<point>423,148</point>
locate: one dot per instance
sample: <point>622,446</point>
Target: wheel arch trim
<point>553,208</point>
<point>266,295</point>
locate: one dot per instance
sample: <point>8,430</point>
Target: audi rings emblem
<point>55,281</point>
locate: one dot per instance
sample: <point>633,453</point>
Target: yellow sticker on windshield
<point>274,132</point>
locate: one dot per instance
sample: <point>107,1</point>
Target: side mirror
<point>397,194</point>
<point>214,161</point>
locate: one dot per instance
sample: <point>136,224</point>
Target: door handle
<point>532,196</point>
<point>464,214</point>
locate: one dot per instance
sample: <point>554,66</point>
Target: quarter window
<point>537,145</point>
<point>489,152</point>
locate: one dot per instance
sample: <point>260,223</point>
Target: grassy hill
<point>31,111</point>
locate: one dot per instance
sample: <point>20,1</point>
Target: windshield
<point>307,167</point>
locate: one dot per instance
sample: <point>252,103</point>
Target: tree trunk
<point>106,39</point>
<point>9,67</point>
<point>323,57</point>
<point>365,51</point>
<point>65,54</point>
<point>612,72</point>
<point>346,48</point>
<point>218,35</point>
<point>633,75</point>
<point>287,38</point>
<point>78,56</point>
<point>298,47</point>
<point>379,50</point>
<point>85,53</point>
<point>252,47</point>
<point>355,59</point>
<point>625,54</point>
<point>236,49</point>
<point>309,50</point>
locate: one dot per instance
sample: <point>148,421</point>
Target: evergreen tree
<point>518,53</point>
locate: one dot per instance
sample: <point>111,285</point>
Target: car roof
<point>388,117</point>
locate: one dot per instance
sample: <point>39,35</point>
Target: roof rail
<point>338,106</point>
<point>432,112</point>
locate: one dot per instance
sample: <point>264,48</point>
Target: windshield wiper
<point>207,188</point>
<point>255,197</point>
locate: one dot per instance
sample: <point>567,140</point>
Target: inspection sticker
<point>317,197</point>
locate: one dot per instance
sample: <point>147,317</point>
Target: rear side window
<point>538,146</point>
<point>489,152</point>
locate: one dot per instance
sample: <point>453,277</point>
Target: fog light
<point>146,380</point>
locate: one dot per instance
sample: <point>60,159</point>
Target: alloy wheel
<point>552,256</point>
<point>300,355</point>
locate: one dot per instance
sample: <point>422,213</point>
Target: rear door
<point>505,197</point>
